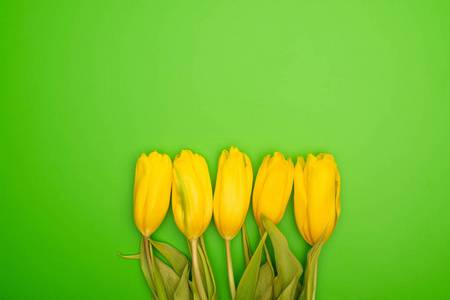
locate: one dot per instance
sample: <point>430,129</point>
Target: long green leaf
<point>202,245</point>
<point>309,280</point>
<point>246,245</point>
<point>194,290</point>
<point>247,284</point>
<point>176,259</point>
<point>208,279</point>
<point>288,267</point>
<point>291,291</point>
<point>159,283</point>
<point>266,251</point>
<point>277,286</point>
<point>264,288</point>
<point>146,270</point>
<point>183,291</point>
<point>169,277</point>
<point>132,256</point>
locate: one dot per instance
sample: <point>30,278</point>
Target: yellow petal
<point>320,156</point>
<point>300,162</point>
<point>276,160</point>
<point>259,182</point>
<point>151,194</point>
<point>338,192</point>
<point>158,193</point>
<point>273,187</point>
<point>192,194</point>
<point>231,197</point>
<point>310,159</point>
<point>300,199</point>
<point>205,180</point>
<point>141,166</point>
<point>271,200</point>
<point>290,179</point>
<point>218,188</point>
<point>249,172</point>
<point>321,191</point>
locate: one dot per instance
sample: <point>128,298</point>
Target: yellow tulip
<point>151,194</point>
<point>273,188</point>
<point>191,194</point>
<point>317,205</point>
<point>232,192</point>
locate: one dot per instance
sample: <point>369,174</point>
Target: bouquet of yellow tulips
<point>317,207</point>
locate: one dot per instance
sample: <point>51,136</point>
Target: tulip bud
<point>232,193</point>
<point>191,194</point>
<point>316,196</point>
<point>151,195</point>
<point>273,188</point>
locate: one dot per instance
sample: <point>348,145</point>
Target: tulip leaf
<point>176,259</point>
<point>266,251</point>
<point>246,245</point>
<point>169,277</point>
<point>146,270</point>
<point>291,291</point>
<point>310,278</point>
<point>277,286</point>
<point>195,294</point>
<point>133,256</point>
<point>269,260</point>
<point>289,268</point>
<point>182,291</point>
<point>299,288</point>
<point>247,284</point>
<point>202,246</point>
<point>159,283</point>
<point>202,270</point>
<point>209,283</point>
<point>264,287</point>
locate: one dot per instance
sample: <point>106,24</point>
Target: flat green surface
<point>87,86</point>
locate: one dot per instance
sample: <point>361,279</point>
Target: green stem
<point>269,260</point>
<point>315,280</point>
<point>148,257</point>
<point>202,244</point>
<point>210,283</point>
<point>196,270</point>
<point>230,269</point>
<point>310,280</point>
<point>310,277</point>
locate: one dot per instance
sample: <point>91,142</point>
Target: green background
<point>87,86</point>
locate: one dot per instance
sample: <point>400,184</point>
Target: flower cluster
<point>317,207</point>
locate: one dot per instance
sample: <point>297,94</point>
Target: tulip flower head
<point>273,188</point>
<point>191,194</point>
<point>317,185</point>
<point>232,192</point>
<point>151,195</point>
